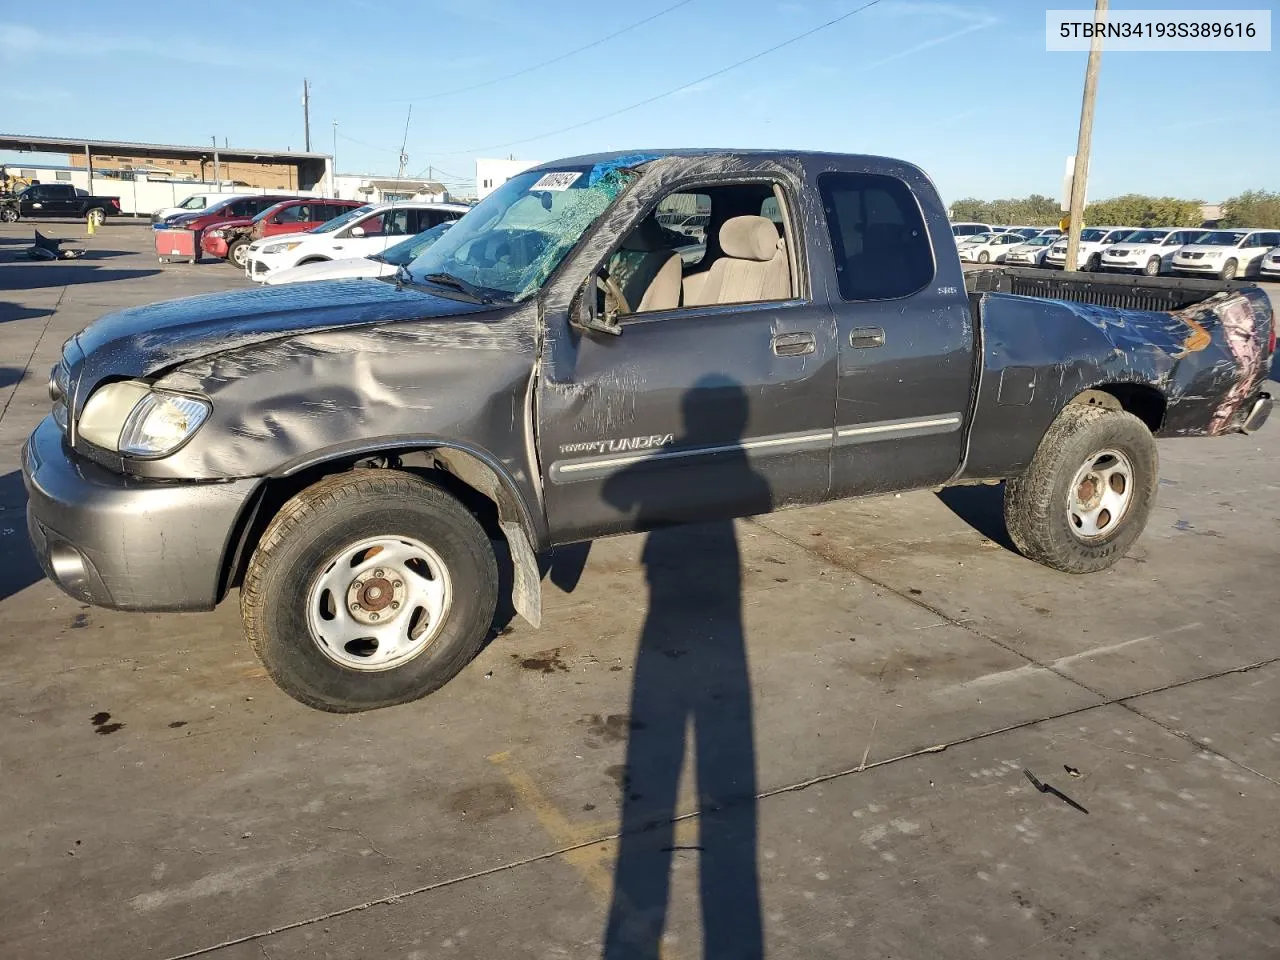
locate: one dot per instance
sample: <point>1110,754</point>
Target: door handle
<point>864,337</point>
<point>794,344</point>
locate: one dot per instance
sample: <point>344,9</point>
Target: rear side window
<point>877,236</point>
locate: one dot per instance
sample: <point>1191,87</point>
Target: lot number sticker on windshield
<point>556,181</point>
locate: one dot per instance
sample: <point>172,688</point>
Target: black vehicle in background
<point>51,200</point>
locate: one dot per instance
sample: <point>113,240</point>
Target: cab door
<point>693,412</point>
<point>904,334</point>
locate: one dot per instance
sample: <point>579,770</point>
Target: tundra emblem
<point>619,446</point>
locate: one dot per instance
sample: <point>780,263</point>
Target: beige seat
<point>646,270</point>
<point>753,267</point>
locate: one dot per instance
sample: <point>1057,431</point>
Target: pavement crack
<point>31,356</point>
<point>1052,667</point>
<point>395,898</point>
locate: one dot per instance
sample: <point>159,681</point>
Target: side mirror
<point>357,231</point>
<point>582,312</point>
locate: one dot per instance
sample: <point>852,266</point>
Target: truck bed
<point>1101,289</point>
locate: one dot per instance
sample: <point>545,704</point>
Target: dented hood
<point>143,340</point>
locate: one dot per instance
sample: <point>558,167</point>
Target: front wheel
<point>368,589</point>
<point>1088,492</point>
<point>239,253</point>
<point>984,257</point>
<point>1228,270</point>
<point>1093,263</point>
<point>1152,269</point>
<point>8,214</point>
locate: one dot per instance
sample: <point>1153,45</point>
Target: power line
<point>547,63</point>
<point>684,86</point>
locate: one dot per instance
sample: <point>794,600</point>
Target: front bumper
<point>256,267</point>
<point>1270,268</point>
<point>1197,266</point>
<point>123,542</point>
<point>214,246</point>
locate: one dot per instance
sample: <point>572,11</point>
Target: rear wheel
<point>369,588</point>
<point>1087,494</point>
<point>1228,271</point>
<point>984,257</point>
<point>8,214</point>
<point>1152,269</point>
<point>238,253</point>
<point>97,216</point>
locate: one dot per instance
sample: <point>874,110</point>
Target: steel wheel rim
<point>378,603</point>
<point>1100,495</point>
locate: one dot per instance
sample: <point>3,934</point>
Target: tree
<point>1137,210</point>
<point>1253,208</point>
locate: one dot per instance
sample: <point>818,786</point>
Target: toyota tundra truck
<point>350,455</point>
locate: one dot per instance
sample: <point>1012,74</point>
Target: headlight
<point>130,417</point>
<point>215,233</point>
<point>281,247</point>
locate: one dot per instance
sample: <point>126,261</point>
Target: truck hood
<point>141,341</point>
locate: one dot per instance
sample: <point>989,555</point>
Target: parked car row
<point>358,232</point>
<point>1225,254</point>
<point>229,239</point>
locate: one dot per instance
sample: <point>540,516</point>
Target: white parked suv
<point>1148,251</point>
<point>1226,254</point>
<point>1093,240</point>
<point>1271,265</point>
<point>363,231</point>
<point>988,247</point>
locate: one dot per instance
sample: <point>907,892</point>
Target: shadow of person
<point>691,672</point>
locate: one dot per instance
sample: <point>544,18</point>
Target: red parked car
<point>230,238</point>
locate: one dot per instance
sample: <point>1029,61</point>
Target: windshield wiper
<point>457,283</point>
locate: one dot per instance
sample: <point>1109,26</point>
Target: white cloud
<point>973,20</point>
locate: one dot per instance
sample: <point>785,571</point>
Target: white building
<point>491,174</point>
<point>374,189</point>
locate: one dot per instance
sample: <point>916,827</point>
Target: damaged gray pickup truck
<point>561,366</point>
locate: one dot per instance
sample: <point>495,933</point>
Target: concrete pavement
<point>896,667</point>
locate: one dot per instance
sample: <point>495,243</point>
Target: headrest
<point>647,236</point>
<point>749,238</point>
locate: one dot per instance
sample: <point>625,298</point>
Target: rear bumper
<point>121,542</point>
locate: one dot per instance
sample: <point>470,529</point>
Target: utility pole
<point>306,114</point>
<point>217,164</point>
<point>404,157</point>
<point>1080,174</point>
<point>335,160</point>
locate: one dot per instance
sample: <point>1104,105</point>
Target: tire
<point>1152,269</point>
<point>1228,271</point>
<point>300,551</point>
<point>1042,506</point>
<point>8,215</point>
<point>1093,263</point>
<point>238,253</point>
<point>97,216</point>
<point>984,257</point>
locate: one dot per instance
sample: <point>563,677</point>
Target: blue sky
<point>966,90</point>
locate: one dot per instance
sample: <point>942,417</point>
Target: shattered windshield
<point>509,244</point>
